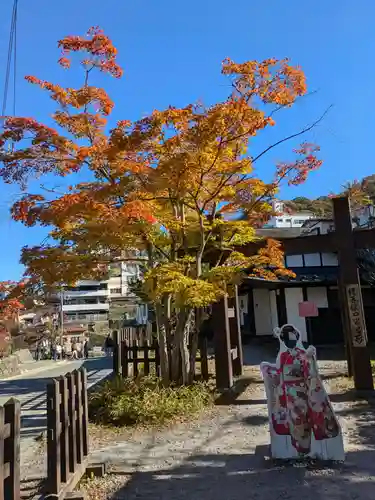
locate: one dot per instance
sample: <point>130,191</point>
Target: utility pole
<point>61,314</point>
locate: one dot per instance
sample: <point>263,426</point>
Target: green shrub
<point>146,401</point>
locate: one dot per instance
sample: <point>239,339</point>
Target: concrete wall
<point>243,301</point>
<point>293,296</point>
<point>265,308</point>
<point>318,295</point>
<point>262,312</point>
<point>273,308</point>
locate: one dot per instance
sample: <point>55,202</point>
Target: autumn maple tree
<point>10,306</point>
<point>167,184</point>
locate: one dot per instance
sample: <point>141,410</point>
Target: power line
<point>15,58</point>
<point>12,51</point>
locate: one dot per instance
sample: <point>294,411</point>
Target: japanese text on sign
<point>357,324</point>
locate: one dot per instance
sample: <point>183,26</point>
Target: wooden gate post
<point>12,417</point>
<point>117,365</point>
<point>354,318</point>
<point>235,332</point>
<point>223,357</point>
<point>53,438</point>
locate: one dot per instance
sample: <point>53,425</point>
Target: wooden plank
<point>6,431</point>
<point>53,438</point>
<point>6,475</point>
<point>72,424</point>
<point>79,414</point>
<point>135,359</point>
<point>117,353</point>
<point>12,483</point>
<point>356,320</point>
<point>223,359</point>
<point>66,488</point>
<point>2,424</point>
<point>146,349</point>
<point>157,359</point>
<point>235,333</point>
<point>64,434</point>
<point>85,415</point>
<point>125,359</point>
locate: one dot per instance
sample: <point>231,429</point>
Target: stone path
<point>223,457</point>
<point>30,390</point>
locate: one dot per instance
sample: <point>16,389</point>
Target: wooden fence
<point>137,334</point>
<point>10,424</point>
<point>67,432</point>
<point>136,359</point>
<point>133,356</point>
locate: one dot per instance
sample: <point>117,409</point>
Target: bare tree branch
<point>301,132</point>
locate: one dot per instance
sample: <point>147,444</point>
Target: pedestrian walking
<point>108,345</point>
<point>86,349</point>
<point>37,351</point>
<point>59,351</point>
<point>74,350</point>
<point>53,351</point>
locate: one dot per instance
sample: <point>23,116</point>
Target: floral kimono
<point>300,405</point>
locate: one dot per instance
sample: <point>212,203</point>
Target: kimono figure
<point>302,421</point>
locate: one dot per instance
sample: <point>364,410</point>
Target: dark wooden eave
<point>363,238</point>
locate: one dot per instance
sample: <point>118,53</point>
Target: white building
<point>362,218</point>
<point>286,219</point>
<point>88,304</point>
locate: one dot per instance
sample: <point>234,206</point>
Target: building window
<point>312,260</point>
<point>115,290</point>
<point>294,260</point>
<point>329,259</point>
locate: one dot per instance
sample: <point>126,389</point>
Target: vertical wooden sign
<point>351,295</point>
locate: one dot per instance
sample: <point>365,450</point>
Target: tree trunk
<point>183,339</point>
<point>180,350</point>
<point>193,347</point>
<point>162,342</point>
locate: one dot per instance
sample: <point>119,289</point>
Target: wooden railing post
<point>117,354</point>
<point>125,358</point>
<point>64,436</point>
<point>10,429</point>
<point>72,424</point>
<point>79,414</point>
<point>85,415</point>
<point>53,437</point>
<point>157,359</point>
<point>146,350</point>
<point>135,358</point>
<point>2,461</point>
<point>68,440</point>
<point>223,355</point>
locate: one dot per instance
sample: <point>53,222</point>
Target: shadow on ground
<point>232,396</point>
<point>266,350</point>
<point>31,391</point>
<point>235,477</point>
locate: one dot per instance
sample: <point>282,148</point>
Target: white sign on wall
<point>231,312</point>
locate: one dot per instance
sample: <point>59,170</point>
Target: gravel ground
<point>223,455</point>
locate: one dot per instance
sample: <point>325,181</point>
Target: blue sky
<point>171,52</point>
